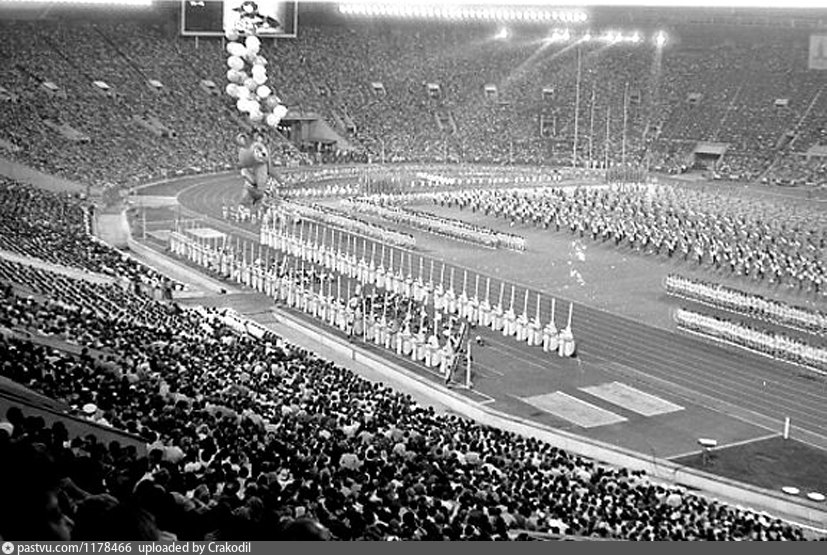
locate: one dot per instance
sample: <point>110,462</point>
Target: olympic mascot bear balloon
<point>254,162</point>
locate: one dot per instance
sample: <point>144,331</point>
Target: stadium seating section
<point>329,70</point>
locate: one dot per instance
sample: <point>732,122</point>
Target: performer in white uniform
<point>535,333</point>
<point>523,322</point>
<point>485,316</point>
<point>497,312</point>
<point>550,339</point>
<point>567,345</point>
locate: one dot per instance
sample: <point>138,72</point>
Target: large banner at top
<point>818,52</point>
<point>213,17</point>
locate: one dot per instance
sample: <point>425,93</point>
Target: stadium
<point>426,271</point>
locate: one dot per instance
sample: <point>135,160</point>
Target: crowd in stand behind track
<point>738,74</point>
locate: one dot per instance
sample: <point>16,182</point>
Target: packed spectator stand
<point>330,69</point>
<point>57,229</point>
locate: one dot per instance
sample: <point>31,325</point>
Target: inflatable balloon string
<point>247,76</point>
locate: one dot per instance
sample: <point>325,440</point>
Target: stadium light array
<point>465,13</point>
<point>660,39</point>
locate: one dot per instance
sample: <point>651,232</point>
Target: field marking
<point>726,445</point>
<point>635,400</point>
<point>576,411</point>
<point>487,399</point>
<point>486,369</point>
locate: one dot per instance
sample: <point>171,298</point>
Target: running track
<point>751,388</point>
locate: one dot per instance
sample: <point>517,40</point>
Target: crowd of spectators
<point>245,435</point>
<point>630,108</point>
<point>56,228</point>
<point>792,170</point>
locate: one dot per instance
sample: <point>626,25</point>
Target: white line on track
<point>725,446</point>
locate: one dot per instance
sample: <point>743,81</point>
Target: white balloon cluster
<point>247,76</point>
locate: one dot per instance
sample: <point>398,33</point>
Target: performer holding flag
<point>567,344</point>
<point>550,338</point>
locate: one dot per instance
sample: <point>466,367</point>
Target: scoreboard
<point>212,17</point>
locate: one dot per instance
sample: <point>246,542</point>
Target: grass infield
<point>770,463</point>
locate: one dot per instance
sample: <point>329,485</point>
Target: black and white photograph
<point>386,271</point>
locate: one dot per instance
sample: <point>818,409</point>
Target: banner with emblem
<point>818,52</point>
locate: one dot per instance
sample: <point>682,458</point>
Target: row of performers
<point>762,341</point>
<point>288,210</point>
<point>382,206</point>
<point>481,311</point>
<point>328,253</point>
<point>750,304</point>
<point>274,278</point>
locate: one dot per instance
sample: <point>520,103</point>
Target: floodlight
<point>660,39</point>
<point>502,35</point>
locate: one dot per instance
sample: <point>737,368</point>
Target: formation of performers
<point>423,320</point>
<point>381,206</point>
<point>329,254</point>
<point>764,342</point>
<point>291,209</point>
<point>753,238</point>
<point>748,304</point>
<point>331,190</point>
<point>241,213</point>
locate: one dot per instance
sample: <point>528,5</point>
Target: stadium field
<point>725,394</point>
